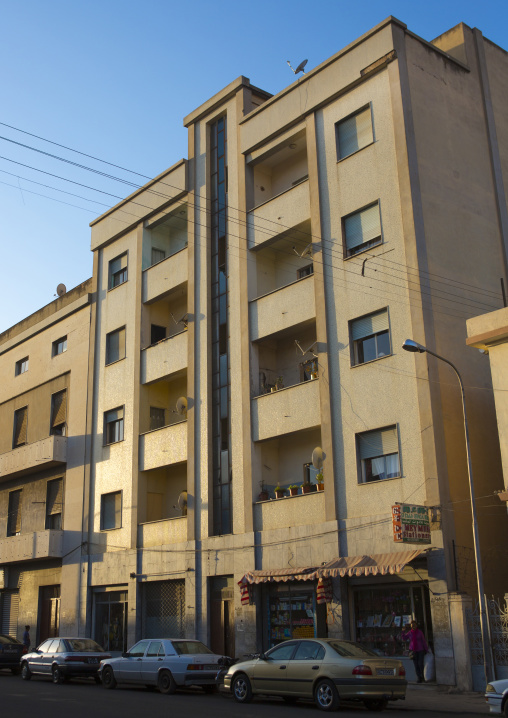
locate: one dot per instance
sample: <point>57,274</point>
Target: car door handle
<point>160,659</point>
<point>315,668</point>
<point>139,659</point>
<point>281,667</point>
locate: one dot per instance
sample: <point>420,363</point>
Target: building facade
<point>249,307</point>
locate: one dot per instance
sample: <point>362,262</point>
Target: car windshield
<point>347,649</point>
<point>8,639</point>
<point>190,647</point>
<point>84,645</point>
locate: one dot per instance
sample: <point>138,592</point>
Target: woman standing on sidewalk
<point>418,647</point>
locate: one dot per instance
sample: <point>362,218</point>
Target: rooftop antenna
<point>299,68</point>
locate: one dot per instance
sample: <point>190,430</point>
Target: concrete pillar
<point>459,603</point>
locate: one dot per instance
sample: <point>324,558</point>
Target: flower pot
<point>279,494</point>
<point>294,492</point>
<point>273,389</point>
<point>305,488</point>
<point>320,487</point>
<point>264,496</point>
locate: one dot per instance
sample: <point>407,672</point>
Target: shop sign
<point>411,524</point>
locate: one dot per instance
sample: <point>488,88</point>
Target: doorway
<point>49,612</point>
<point>222,615</point>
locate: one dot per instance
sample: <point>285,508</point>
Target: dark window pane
<point>366,350</point>
<point>383,344</point>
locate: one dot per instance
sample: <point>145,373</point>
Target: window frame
<point>300,271</point>
<point>353,343</point>
<point>365,246</point>
<point>360,462</point>
<point>52,418</point>
<point>54,346</point>
<point>18,367</point>
<point>107,423</point>
<point>22,443</point>
<point>9,512</point>
<point>119,492</point>
<point>367,106</point>
<point>49,516</point>
<point>112,275</point>
<point>107,361</point>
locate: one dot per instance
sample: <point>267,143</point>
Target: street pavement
<point>83,699</point>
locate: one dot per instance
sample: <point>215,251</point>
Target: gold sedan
<point>327,670</point>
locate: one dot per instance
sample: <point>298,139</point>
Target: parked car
<point>165,663</point>
<point>11,651</point>
<point>64,658</point>
<point>327,670</point>
<point>496,695</point>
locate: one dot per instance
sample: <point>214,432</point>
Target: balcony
<point>162,533</point>
<point>298,510</point>
<point>40,455</point>
<point>282,309</point>
<point>165,277</point>
<point>32,546</point>
<point>277,215</point>
<point>163,447</point>
<point>286,411</point>
<point>165,358</point>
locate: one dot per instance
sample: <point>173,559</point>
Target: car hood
<point>501,686</point>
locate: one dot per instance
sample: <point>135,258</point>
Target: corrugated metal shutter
<point>355,133</point>
<point>378,443</point>
<point>59,408</point>
<point>371,324</point>
<point>20,426</point>
<point>10,611</point>
<point>363,226</point>
<point>54,497</point>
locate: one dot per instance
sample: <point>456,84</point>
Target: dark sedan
<point>63,658</point>
<point>11,651</point>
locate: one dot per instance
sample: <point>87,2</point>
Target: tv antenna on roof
<point>300,67</point>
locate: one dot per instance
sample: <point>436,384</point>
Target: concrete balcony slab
<point>284,308</point>
<point>290,511</point>
<point>163,447</point>
<point>40,455</point>
<point>164,277</point>
<point>32,546</point>
<point>286,411</point>
<point>163,532</point>
<point>164,359</point>
<point>278,215</point>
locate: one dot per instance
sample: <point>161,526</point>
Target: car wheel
<point>56,674</point>
<point>326,696</point>
<point>16,671</point>
<point>376,704</point>
<point>26,673</point>
<point>166,683</point>
<point>242,691</point>
<point>108,677</point>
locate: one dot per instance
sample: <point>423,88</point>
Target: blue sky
<point>115,79</point>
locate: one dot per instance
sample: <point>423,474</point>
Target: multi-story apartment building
<point>250,307</point>
<point>44,369</point>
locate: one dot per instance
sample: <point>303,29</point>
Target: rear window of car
<point>347,649</point>
<point>186,648</point>
<point>84,645</point>
<point>8,639</point>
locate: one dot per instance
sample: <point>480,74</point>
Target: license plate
<point>211,667</point>
<point>93,660</point>
<point>385,672</point>
<point>10,650</point>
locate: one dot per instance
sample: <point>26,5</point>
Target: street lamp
<point>412,346</point>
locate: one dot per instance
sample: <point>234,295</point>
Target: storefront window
<point>293,613</point>
<point>382,614</point>
<point>111,620</point>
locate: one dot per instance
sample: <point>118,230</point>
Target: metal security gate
<point>497,615</point>
<point>163,609</point>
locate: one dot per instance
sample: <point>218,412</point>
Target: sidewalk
<point>443,699</point>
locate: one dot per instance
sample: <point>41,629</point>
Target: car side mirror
<point>262,657</point>
<point>125,654</point>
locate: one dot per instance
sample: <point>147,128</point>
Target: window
<point>138,651</point>
<point>113,425</point>
<point>158,255</point>
<point>54,504</point>
<point>59,347</point>
<point>378,453</point>
<point>58,413</point>
<point>111,511</point>
<point>370,337</point>
<point>20,427</point>
<point>305,271</point>
<point>14,513</point>
<point>309,651</point>
<point>157,334</point>
<point>354,133</point>
<point>157,418</point>
<point>115,345</point>
<point>362,230</point>
<point>155,649</point>
<point>282,653</point>
<point>21,366</point>
<point>117,271</point>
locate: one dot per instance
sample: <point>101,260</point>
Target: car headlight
<point>490,688</point>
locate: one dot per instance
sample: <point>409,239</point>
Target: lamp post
<point>412,346</point>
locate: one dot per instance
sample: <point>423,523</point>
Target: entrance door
<point>49,612</point>
<point>222,616</point>
<point>111,620</point>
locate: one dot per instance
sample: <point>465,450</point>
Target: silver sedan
<point>165,663</point>
<point>63,658</point>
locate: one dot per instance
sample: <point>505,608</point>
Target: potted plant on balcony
<point>306,487</point>
<point>320,481</point>
<point>293,489</point>
<point>279,383</point>
<point>279,492</point>
<point>263,494</point>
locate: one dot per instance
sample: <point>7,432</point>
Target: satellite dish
<point>181,405</point>
<point>61,289</point>
<point>301,66</point>
<point>182,503</point>
<point>317,458</point>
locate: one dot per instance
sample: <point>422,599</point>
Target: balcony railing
<point>32,546</point>
<point>163,447</point>
<point>283,308</point>
<point>279,214</point>
<point>163,532</point>
<point>165,276</point>
<point>286,411</point>
<point>39,455</point>
<point>165,358</point>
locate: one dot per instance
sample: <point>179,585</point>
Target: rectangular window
<point>59,347</point>
<point>58,413</point>
<point>370,337</point>
<point>117,271</point>
<point>20,427</point>
<point>362,230</point>
<point>115,345</point>
<point>21,366</point>
<point>157,255</point>
<point>157,418</point>
<point>14,513</point>
<point>54,504</point>
<point>157,334</point>
<point>113,426</point>
<point>378,453</point>
<point>354,133</point>
<point>111,511</point>
<point>305,271</point>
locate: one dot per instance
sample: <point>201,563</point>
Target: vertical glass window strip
<point>221,397</point>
